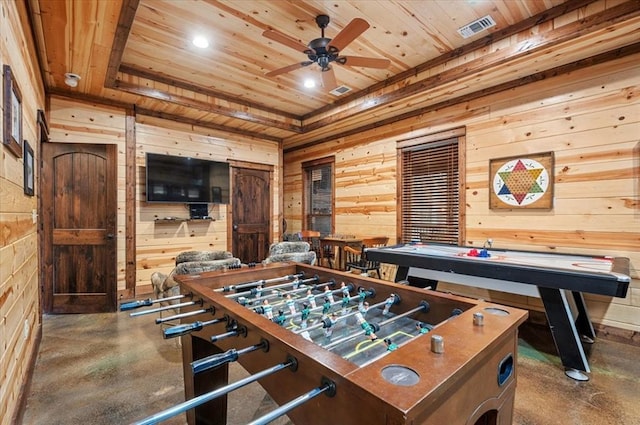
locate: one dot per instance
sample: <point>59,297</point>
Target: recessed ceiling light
<point>200,41</point>
<point>309,83</point>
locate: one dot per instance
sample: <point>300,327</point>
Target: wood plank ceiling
<point>140,52</point>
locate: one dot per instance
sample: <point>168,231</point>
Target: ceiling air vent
<point>476,26</point>
<point>340,90</point>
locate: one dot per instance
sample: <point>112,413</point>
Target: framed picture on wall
<point>29,174</point>
<point>521,182</point>
<point>12,128</point>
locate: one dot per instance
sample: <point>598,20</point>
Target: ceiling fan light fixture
<point>71,79</point>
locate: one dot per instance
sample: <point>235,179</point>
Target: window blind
<point>430,198</point>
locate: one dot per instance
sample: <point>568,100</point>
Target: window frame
<point>307,168</point>
<point>424,142</point>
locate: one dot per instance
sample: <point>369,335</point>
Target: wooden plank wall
<point>590,119</point>
<point>157,244</point>
<point>20,323</point>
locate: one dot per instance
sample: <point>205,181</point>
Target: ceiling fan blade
<point>286,40</point>
<point>365,62</point>
<point>348,34</point>
<point>329,79</point>
<point>288,68</point>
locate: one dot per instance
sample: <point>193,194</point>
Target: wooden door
<point>251,212</point>
<point>79,227</point>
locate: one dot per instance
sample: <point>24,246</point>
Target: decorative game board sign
<point>521,182</point>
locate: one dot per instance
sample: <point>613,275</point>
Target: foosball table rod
<point>160,320</point>
<point>130,305</point>
<point>291,363</point>
<point>262,282</point>
<point>254,291</point>
<point>327,386</point>
<point>166,307</point>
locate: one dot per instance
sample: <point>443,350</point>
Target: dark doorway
<point>79,227</point>
<point>251,214</point>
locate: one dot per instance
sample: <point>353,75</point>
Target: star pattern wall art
<point>523,182</point>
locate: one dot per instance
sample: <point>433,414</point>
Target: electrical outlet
<point>34,216</point>
<point>25,331</point>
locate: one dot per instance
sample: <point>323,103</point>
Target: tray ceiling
<point>141,52</point>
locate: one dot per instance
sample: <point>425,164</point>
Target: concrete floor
<point>113,369</point>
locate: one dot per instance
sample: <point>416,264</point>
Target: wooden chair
<point>357,258</point>
<point>324,255</point>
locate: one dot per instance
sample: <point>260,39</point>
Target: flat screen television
<point>179,179</point>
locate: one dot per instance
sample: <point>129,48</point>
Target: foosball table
<point>336,347</point>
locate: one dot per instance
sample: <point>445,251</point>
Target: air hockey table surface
<point>604,275</point>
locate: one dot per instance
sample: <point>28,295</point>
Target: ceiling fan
<point>325,51</point>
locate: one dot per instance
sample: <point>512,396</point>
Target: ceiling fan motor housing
<point>318,52</point>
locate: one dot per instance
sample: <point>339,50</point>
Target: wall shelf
<point>180,220</point>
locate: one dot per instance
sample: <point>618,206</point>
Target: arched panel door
<point>251,214</point>
<point>79,228</point>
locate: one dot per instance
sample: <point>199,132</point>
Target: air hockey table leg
<point>565,334</point>
<point>583,321</point>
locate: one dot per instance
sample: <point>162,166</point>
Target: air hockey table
<point>559,280</point>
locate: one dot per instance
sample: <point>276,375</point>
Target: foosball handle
<point>135,304</point>
<point>214,361</point>
<point>180,330</point>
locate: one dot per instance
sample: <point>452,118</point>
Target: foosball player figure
<point>258,291</point>
<point>280,318</point>
<point>326,307</point>
<point>369,331</point>
<point>390,345</point>
<point>345,304</point>
<point>327,293</point>
<point>388,303</point>
<point>366,327</point>
<point>296,283</point>
<point>363,308</point>
<point>304,317</point>
<point>345,290</point>
<point>311,298</point>
<point>268,310</point>
<point>291,304</point>
<point>328,325</point>
<point>362,295</point>
<point>423,328</point>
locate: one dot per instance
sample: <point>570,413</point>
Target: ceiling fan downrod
<point>318,47</point>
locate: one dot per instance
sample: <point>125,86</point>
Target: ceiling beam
<point>563,69</point>
<point>206,124</point>
<point>240,113</point>
<point>125,21</point>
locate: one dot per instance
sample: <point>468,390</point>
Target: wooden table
<point>338,243</point>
